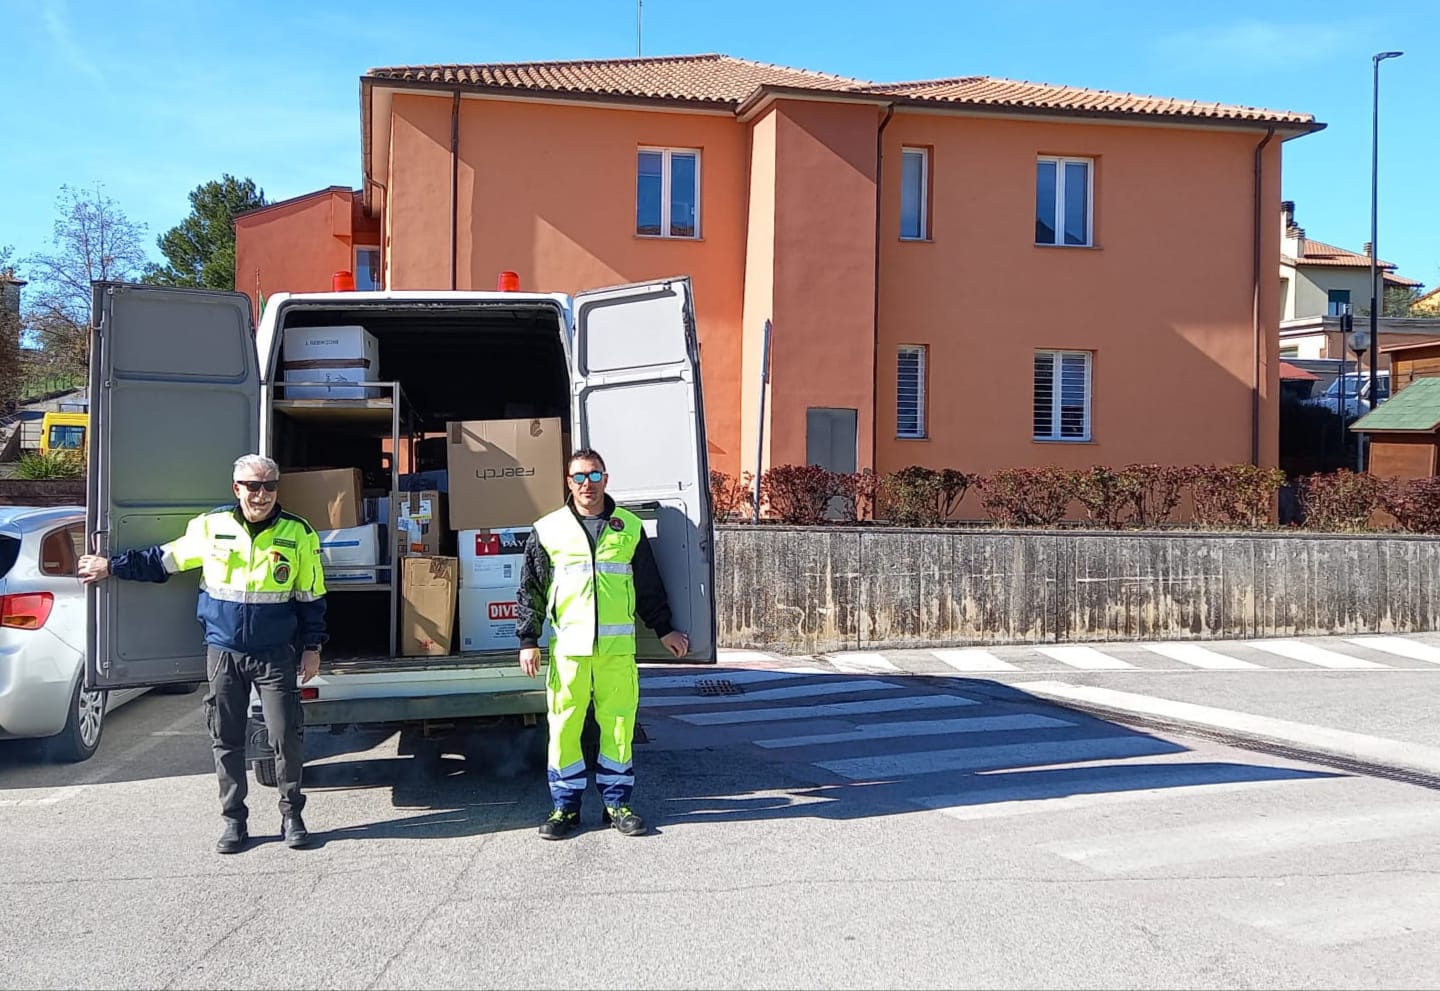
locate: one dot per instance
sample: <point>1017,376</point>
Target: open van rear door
<point>638,403</point>
<point>174,400</point>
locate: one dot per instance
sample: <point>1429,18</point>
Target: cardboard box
<point>419,523</point>
<point>504,473</point>
<point>420,481</point>
<point>328,499</point>
<point>351,547</point>
<point>334,356</point>
<point>427,605</point>
<point>492,558</point>
<point>487,620</point>
<point>335,577</point>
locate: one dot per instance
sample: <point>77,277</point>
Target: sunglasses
<point>269,486</point>
<point>581,477</point>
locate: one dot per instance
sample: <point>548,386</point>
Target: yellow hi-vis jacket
<point>592,590</point>
<point>256,593</point>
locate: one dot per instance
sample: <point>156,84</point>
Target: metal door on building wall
<point>830,439</point>
<point>830,443</point>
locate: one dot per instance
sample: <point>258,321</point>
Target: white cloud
<point>57,22</point>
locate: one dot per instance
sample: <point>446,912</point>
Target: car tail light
<point>26,611</point>
<point>309,694</point>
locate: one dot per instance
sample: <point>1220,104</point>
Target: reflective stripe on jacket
<point>592,590</point>
<point>256,593</point>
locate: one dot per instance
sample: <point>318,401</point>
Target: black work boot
<point>560,825</point>
<point>623,818</point>
<point>233,838</point>
<point>292,827</point>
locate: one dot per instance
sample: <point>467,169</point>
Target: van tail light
<point>26,611</point>
<point>342,282</point>
<point>508,282</point>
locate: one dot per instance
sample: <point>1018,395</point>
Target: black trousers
<point>227,714</point>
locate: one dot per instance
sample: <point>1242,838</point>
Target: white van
<point>180,387</point>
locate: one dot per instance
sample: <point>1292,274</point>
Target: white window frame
<point>924,194</point>
<point>1057,393</point>
<point>355,263</point>
<point>1060,162</point>
<point>920,351</point>
<point>665,204</point>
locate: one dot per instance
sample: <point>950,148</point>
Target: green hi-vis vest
<point>592,591</point>
<point>280,564</point>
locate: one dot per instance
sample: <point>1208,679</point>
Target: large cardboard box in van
<point>329,499</point>
<point>487,620</point>
<point>492,558</point>
<point>419,523</point>
<point>333,356</point>
<point>427,605</point>
<point>504,473</point>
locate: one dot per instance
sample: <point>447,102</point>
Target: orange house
<point>971,273</point>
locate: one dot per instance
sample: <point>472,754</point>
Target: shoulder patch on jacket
<point>287,515</point>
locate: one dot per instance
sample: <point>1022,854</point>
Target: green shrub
<point>56,464</point>
<point>1342,501</point>
<point>1015,497</point>
<point>918,496</point>
<point>1414,502</point>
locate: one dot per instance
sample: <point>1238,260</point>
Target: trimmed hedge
<point>1136,496</point>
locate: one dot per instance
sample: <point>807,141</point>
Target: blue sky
<point>151,98</point>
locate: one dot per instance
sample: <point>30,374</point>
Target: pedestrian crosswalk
<point>855,730</point>
<point>1361,653</point>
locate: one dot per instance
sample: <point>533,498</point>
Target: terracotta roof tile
<point>1320,253</point>
<point>990,91</point>
<point>723,79</point>
<point>689,78</point>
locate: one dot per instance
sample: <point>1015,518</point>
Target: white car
<point>1356,391</point>
<point>42,635</point>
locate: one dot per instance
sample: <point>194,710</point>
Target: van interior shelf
<point>377,411</point>
<point>358,587</point>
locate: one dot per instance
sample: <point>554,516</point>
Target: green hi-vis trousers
<point>613,682</point>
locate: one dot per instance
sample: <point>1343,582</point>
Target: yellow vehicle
<point>65,432</point>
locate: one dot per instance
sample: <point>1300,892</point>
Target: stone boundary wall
<point>810,590</point>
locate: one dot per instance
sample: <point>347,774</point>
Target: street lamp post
<point>1360,342</point>
<point>1376,295</point>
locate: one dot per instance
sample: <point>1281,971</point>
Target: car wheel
<point>83,727</point>
<point>264,768</point>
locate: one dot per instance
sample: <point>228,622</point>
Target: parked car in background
<point>42,635</point>
<point>1356,392</point>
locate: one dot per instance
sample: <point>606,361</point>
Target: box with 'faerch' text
<point>504,473</point>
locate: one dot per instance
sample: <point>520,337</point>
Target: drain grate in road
<point>717,686</point>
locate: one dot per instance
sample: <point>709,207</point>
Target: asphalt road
<point>820,822</point>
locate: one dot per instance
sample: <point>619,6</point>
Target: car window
<point>60,550</point>
<point>9,551</point>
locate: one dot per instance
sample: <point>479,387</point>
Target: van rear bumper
<point>423,708</point>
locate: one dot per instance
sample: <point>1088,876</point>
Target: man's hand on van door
<point>92,568</point>
<point>676,642</point>
<point>530,661</point>
<point>309,665</point>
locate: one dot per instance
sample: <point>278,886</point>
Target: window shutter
<point>910,393</point>
<point>1044,394</point>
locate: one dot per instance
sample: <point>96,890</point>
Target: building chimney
<point>1292,237</point>
<point>10,293</point>
<point>1366,249</point>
